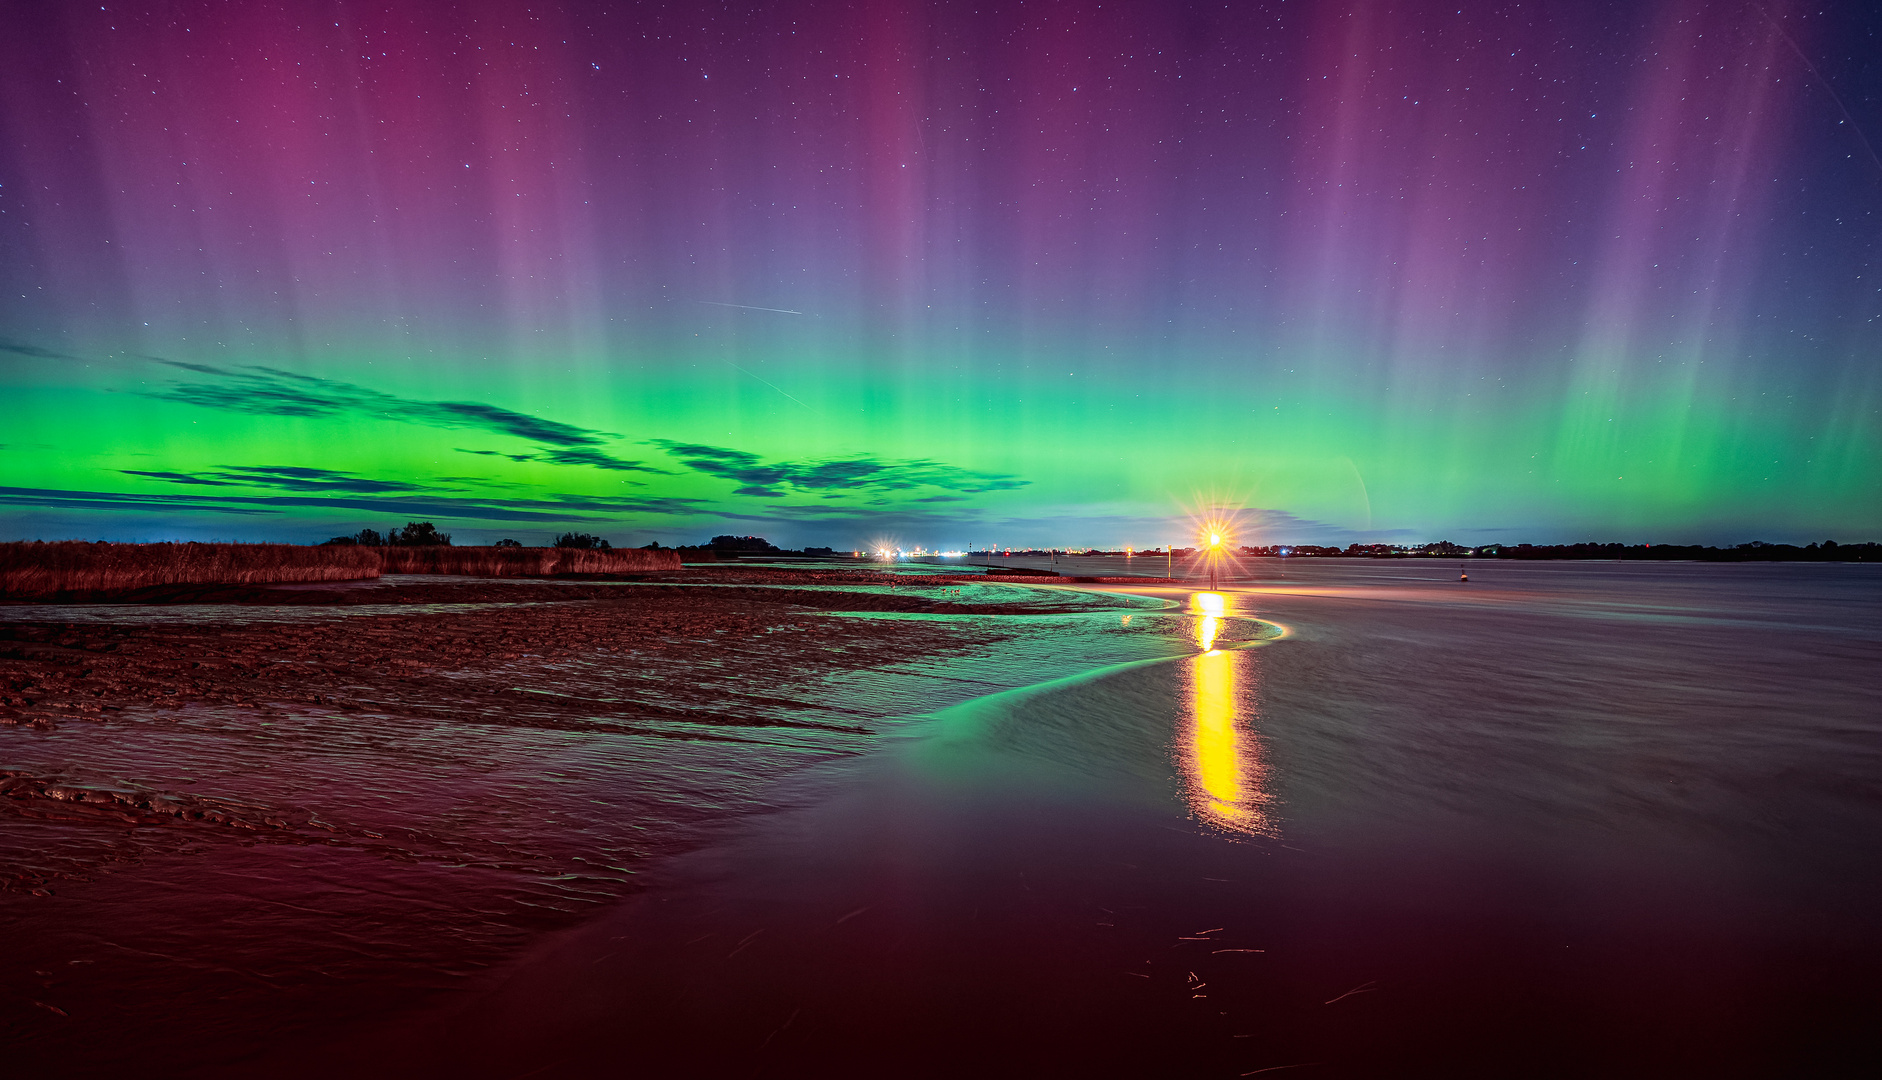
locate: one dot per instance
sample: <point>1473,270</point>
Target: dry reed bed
<point>76,569</point>
<point>522,562</point>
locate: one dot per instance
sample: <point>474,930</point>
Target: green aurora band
<point>720,284</point>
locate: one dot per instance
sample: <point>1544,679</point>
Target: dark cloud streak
<point>559,509</point>
<point>761,479</point>
<point>272,392</point>
<point>286,477</point>
<point>23,349</point>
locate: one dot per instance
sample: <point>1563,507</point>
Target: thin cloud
<point>98,500</point>
<point>830,476</point>
<point>23,349</point>
<point>556,509</point>
<point>285,477</point>
<point>179,478</point>
<point>273,392</point>
<point>581,455</point>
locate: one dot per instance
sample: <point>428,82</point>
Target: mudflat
<point>234,814</point>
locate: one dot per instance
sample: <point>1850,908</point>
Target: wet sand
<point>1571,821</point>
<point>231,817</point>
<point>1356,820</point>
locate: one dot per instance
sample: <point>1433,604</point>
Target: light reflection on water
<point>1221,757</point>
<point>1492,802</point>
<point>1493,797</point>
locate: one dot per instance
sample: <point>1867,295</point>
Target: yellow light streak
<point>1221,754</point>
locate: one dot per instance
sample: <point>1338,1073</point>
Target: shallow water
<point>1566,819</point>
<point>1364,819</point>
<point>339,862</point>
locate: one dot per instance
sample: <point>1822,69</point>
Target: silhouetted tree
<point>417,534</point>
<point>583,542</point>
<point>506,542</point>
<point>742,543</point>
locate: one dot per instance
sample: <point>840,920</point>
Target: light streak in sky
<point>1428,272</point>
<point>749,307</point>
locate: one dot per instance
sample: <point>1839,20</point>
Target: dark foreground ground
<point>1341,820</point>
<point>418,643</point>
<point>230,816</point>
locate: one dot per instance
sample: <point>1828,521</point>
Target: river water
<point>1338,818</point>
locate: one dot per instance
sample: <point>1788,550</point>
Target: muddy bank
<point>440,656</point>
<point>290,806</point>
<point>415,589</point>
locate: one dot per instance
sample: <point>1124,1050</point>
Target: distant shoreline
<point>1756,551</point>
<point>1753,552</point>
<point>77,571</point>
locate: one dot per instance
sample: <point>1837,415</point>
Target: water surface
<point>1356,819</point>
<point>1342,816</point>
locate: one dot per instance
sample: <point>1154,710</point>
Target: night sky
<point>1027,274</point>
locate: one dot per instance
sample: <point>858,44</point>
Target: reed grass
<point>75,568</point>
<point>522,562</point>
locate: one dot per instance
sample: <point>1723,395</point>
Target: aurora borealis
<point>1025,273</point>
